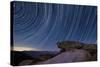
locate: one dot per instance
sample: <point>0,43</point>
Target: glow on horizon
<point>16,48</point>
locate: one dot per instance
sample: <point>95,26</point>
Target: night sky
<point>39,26</point>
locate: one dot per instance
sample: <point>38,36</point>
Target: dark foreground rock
<point>74,51</point>
<point>71,45</point>
<point>76,55</point>
<point>70,51</point>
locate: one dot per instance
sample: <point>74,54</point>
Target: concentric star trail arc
<point>42,25</point>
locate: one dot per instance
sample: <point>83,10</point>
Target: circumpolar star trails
<point>42,25</point>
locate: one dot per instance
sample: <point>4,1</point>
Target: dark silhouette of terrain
<point>70,51</point>
<point>17,57</point>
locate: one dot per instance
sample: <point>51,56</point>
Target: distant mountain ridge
<point>36,54</point>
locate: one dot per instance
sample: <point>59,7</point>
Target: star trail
<point>42,25</point>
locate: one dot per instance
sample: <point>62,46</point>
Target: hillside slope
<point>76,55</point>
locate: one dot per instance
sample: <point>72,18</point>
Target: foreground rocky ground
<point>76,55</point>
<point>70,51</point>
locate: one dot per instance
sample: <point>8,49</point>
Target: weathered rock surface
<point>73,51</point>
<point>76,55</point>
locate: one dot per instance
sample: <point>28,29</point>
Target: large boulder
<point>76,55</point>
<point>73,51</point>
<point>71,45</point>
